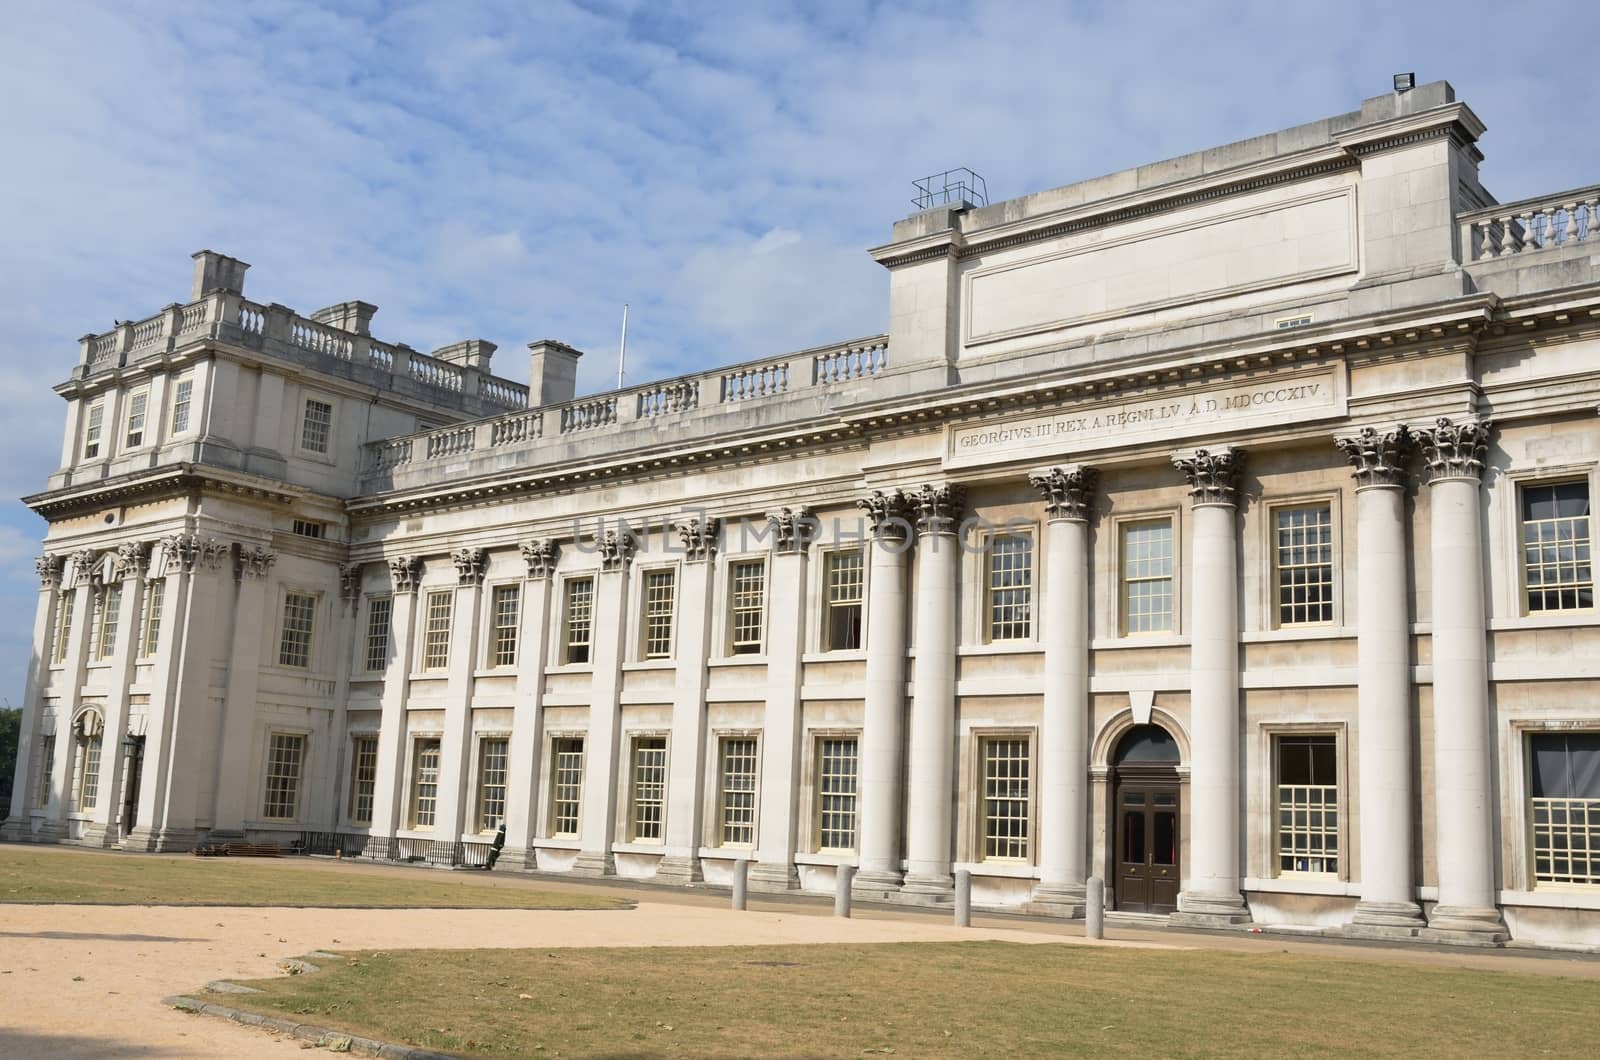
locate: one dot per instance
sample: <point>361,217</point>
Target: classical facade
<point>1219,528</point>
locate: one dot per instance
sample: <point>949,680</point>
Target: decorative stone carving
<point>699,539</point>
<point>791,529</point>
<point>350,580</point>
<point>939,508</point>
<point>1454,450</point>
<point>1377,458</point>
<point>616,550</point>
<point>1068,491</point>
<point>84,562</point>
<point>131,561</point>
<point>405,571</point>
<point>252,562</point>
<point>540,556</point>
<point>471,565</point>
<point>48,567</point>
<point>890,514</point>
<point>1213,474</point>
<point>190,552</point>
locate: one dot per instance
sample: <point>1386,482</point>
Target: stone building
<point>1218,527</point>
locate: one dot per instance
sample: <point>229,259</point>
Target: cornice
<point>173,480</point>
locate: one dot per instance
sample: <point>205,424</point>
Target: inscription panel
<point>1090,426</point>
<point>1288,242</point>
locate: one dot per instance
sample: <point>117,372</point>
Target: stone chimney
<point>216,272</point>
<point>468,353</point>
<point>347,316</point>
<point>552,372</point>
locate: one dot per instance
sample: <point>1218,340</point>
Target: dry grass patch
<point>64,875</point>
<point>930,999</point>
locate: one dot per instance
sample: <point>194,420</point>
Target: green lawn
<point>55,874</point>
<point>931,999</point>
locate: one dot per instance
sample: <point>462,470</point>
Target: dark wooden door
<point>1147,845</point>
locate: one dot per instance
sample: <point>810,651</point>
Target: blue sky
<point>514,171</point>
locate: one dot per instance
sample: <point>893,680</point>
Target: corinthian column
<point>883,710</point>
<point>1212,894</point>
<point>25,782</point>
<point>1463,810</point>
<point>1064,726</point>
<point>933,702</point>
<point>1383,723</point>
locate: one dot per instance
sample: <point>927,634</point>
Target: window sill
<point>563,843</point>
<point>1136,641</point>
<point>1294,633</point>
<point>1555,896</point>
<point>823,858</point>
<point>1323,885</point>
<point>569,668</point>
<point>1548,620</point>
<point>729,853</point>
<point>430,675</point>
<point>642,665</point>
<point>853,655</point>
<point>1002,647</point>
<point>738,660</point>
<point>1010,870</point>
<point>659,849</point>
<point>496,671</point>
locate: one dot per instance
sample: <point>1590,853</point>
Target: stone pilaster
<point>24,784</point>
<point>1213,897</point>
<point>527,728</point>
<point>130,563</point>
<point>1069,494</point>
<point>254,616</point>
<point>686,747</point>
<point>454,810</point>
<point>1454,455</point>
<point>884,706</point>
<point>782,748</point>
<point>603,742</point>
<point>388,795</point>
<point>1388,905</point>
<point>930,781</point>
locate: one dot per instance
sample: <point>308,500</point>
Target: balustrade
<point>149,332</point>
<point>587,415</point>
<point>193,319</point>
<point>516,429</point>
<point>316,338</point>
<point>850,362</point>
<point>1534,225</point>
<point>252,318</point>
<point>430,372</point>
<point>666,398</point>
<point>380,356</point>
<point>391,453</point>
<point>449,442</point>
<point>502,392</point>
<point>755,381</point>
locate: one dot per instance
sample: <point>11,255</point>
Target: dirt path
<point>87,981</point>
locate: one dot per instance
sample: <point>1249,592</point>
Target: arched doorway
<point>1145,804</point>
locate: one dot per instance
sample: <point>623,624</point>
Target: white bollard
<point>963,898</point>
<point>741,882</point>
<point>843,876</point>
<point>1094,911</point>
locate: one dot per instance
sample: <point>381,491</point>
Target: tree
<point>10,731</point>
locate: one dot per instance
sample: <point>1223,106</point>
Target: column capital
<point>406,571</point>
<point>1454,450</point>
<point>191,552</point>
<point>471,565</point>
<point>939,508</point>
<point>131,561</point>
<point>1068,491</point>
<point>1377,458</point>
<point>889,513</point>
<point>699,539</point>
<point>83,565</point>
<point>540,556</point>
<point>350,581</point>
<point>48,567</point>
<point>792,529</point>
<point>616,550</point>
<point>1213,474</point>
<point>252,563</point>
